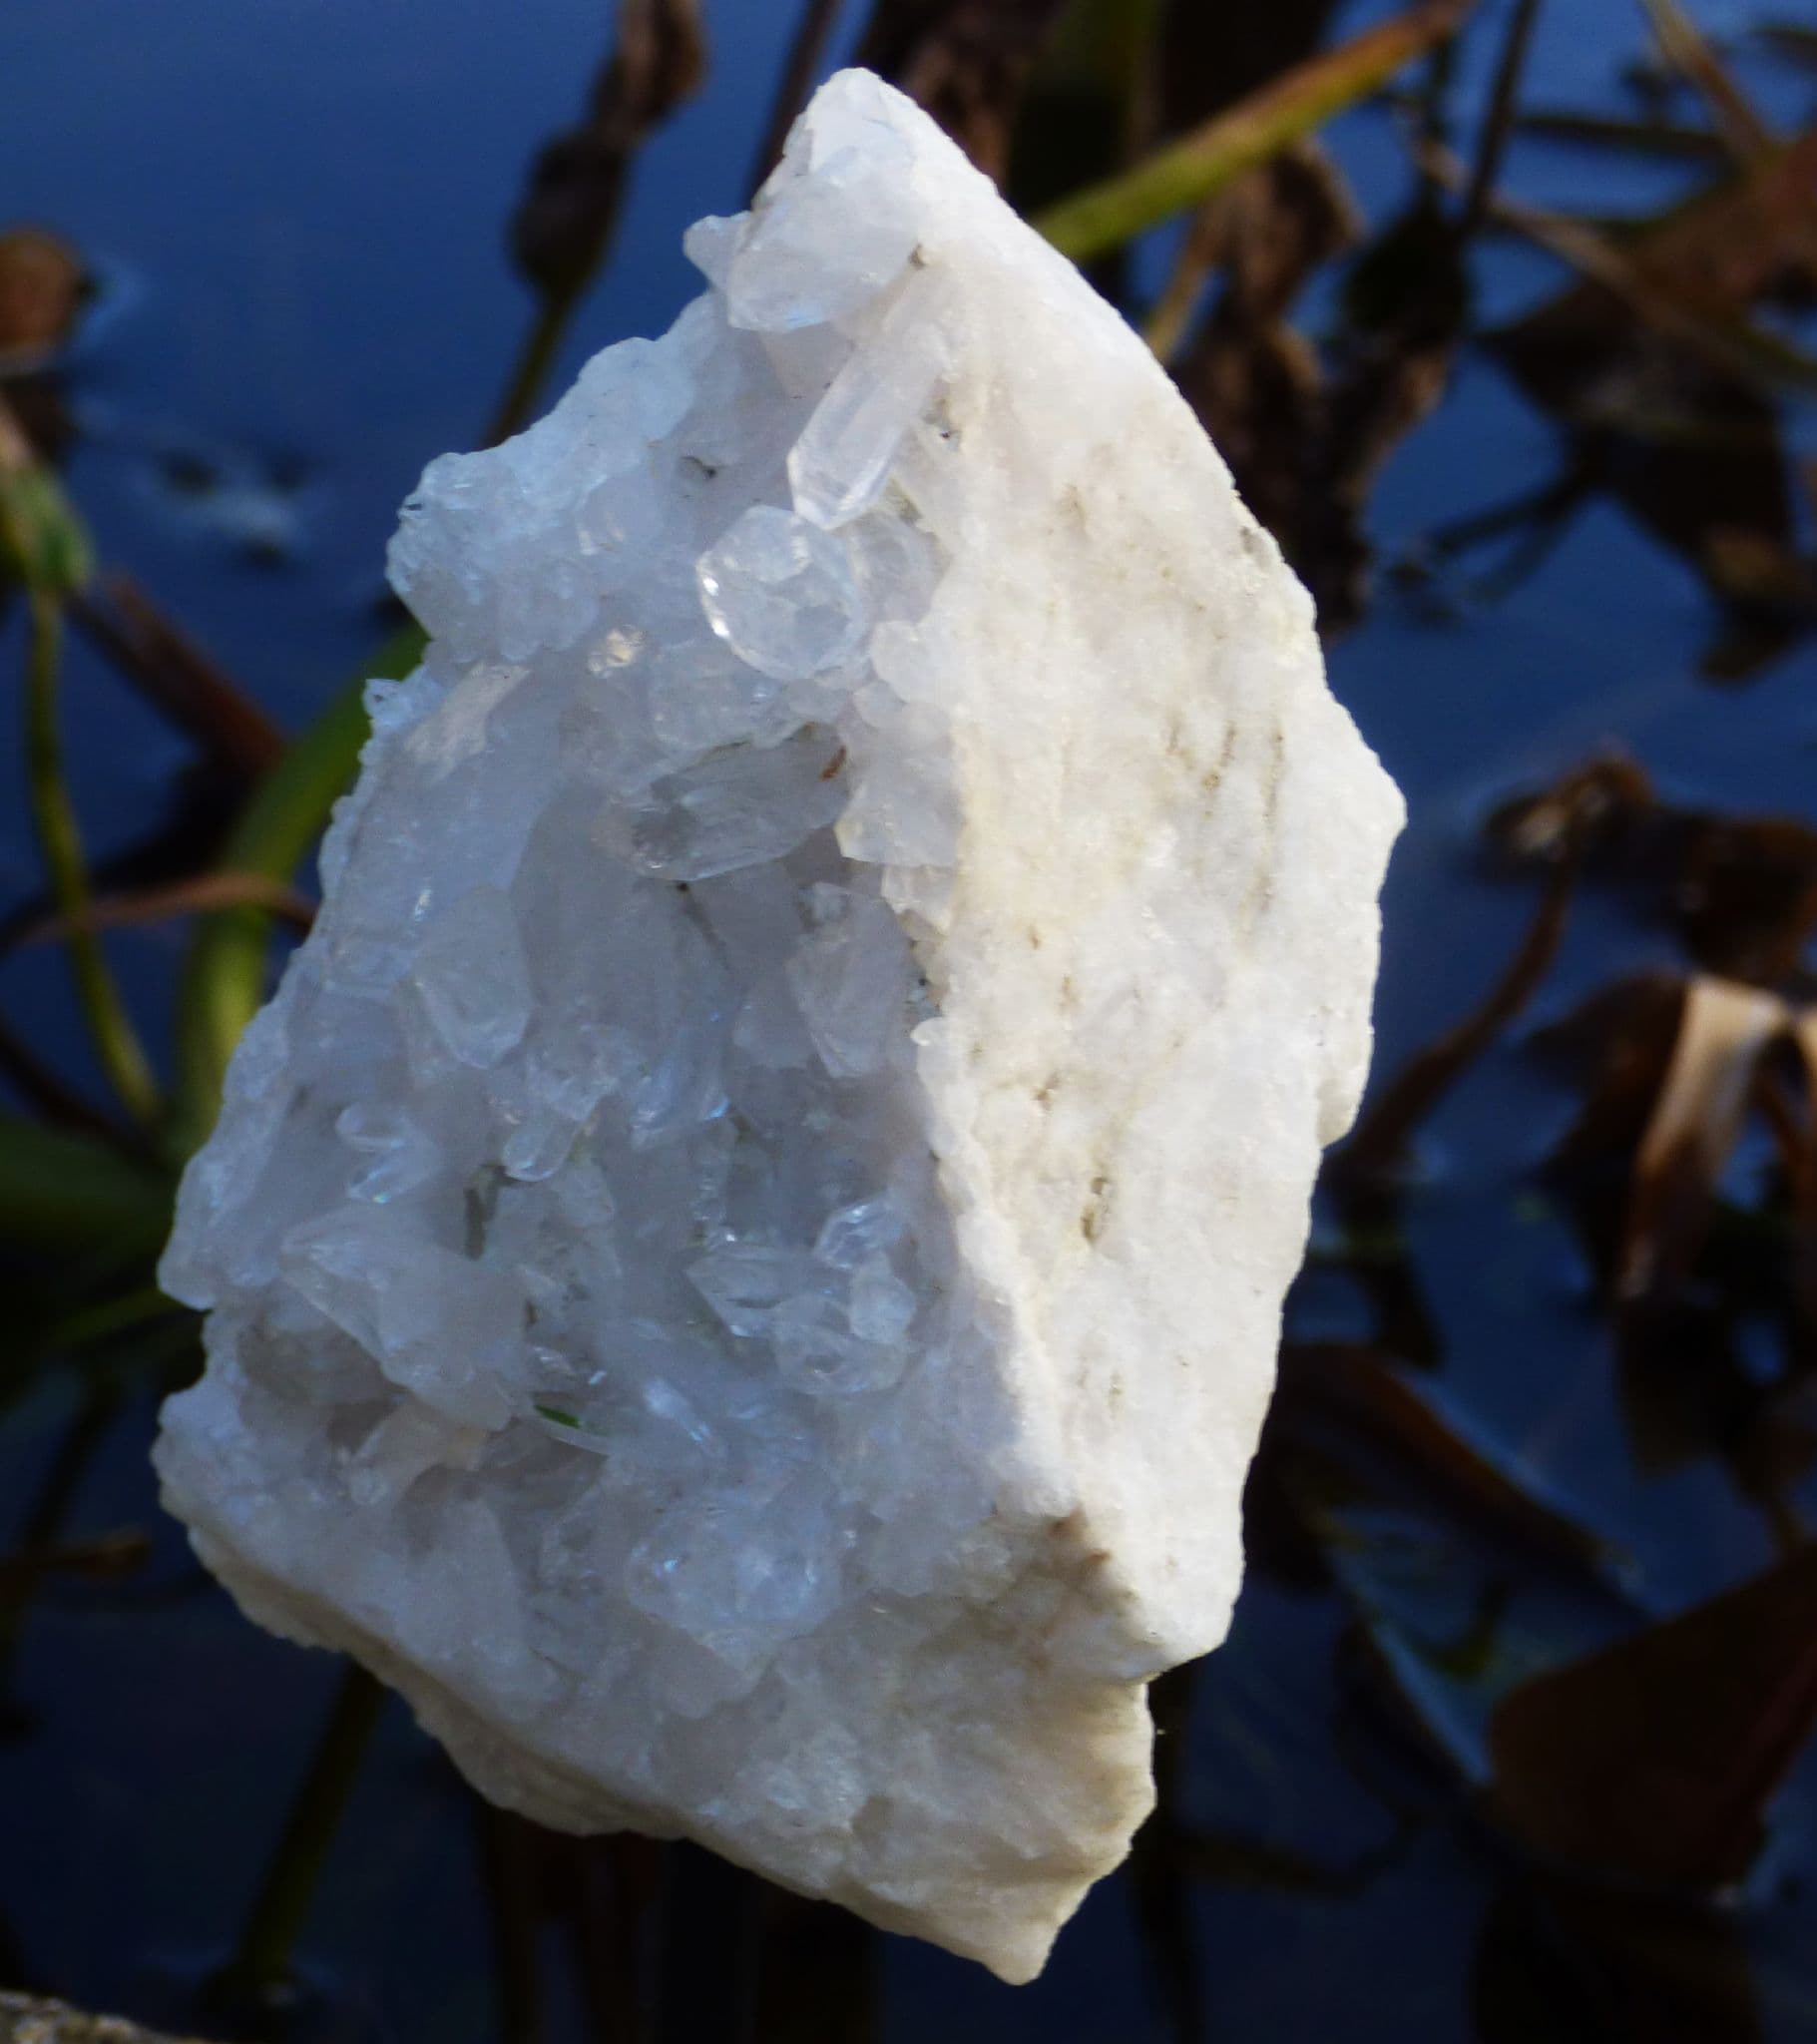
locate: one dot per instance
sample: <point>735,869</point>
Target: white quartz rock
<point>744,1257</point>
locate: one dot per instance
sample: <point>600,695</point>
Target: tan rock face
<point>744,1257</point>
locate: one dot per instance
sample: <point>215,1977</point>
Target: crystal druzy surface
<point>743,1259</point>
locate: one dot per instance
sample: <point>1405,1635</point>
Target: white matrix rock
<point>744,1257</point>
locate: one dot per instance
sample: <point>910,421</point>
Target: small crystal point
<point>837,469</point>
<point>471,978</point>
<point>743,807</point>
<point>824,243</point>
<point>782,594</point>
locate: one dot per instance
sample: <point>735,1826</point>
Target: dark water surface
<point>296,208</point>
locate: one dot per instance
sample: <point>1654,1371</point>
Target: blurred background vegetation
<point>1502,315</point>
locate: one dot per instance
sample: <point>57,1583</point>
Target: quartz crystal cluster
<point>743,1259</point>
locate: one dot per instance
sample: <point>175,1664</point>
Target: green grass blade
<point>117,1044</point>
<point>61,1191</point>
<point>1186,173</point>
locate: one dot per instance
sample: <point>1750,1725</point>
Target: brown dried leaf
<point>576,183</point>
<point>104,1558</point>
<point>1267,233</point>
<point>1580,807</point>
<point>1794,42</point>
<point>1696,1123</point>
<point>1302,449</point>
<point>1683,46</point>
<point>42,285</point>
<point>1260,393</point>
<point>179,679</point>
<point>1637,138</point>
<point>1389,1123</point>
<point>198,895</point>
<point>1725,251</point>
<point>1743,894</point>
<point>1283,223</point>
<point>1688,1377</point>
<point>1740,892</point>
<point>1614,1048</point>
<point>1692,275</point>
<point>1762,573</point>
<point>1794,1127</point>
<point>1376,1403</point>
<point>1656,1760</point>
<point>1670,391</point>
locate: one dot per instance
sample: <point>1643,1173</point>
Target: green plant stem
<point>262,1959</point>
<point>1498,127</point>
<point>535,359</point>
<point>1169,319</point>
<point>61,1190</point>
<point>120,1316</point>
<point>1186,173</point>
<point>50,1506</point>
<point>223,978</point>
<point>123,1058</point>
<point>55,1101</point>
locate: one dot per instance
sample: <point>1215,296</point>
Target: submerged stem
<point>1498,126</point>
<point>116,1043</point>
<point>262,1960</point>
<point>812,34</point>
<point>531,370</point>
<point>49,1508</point>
